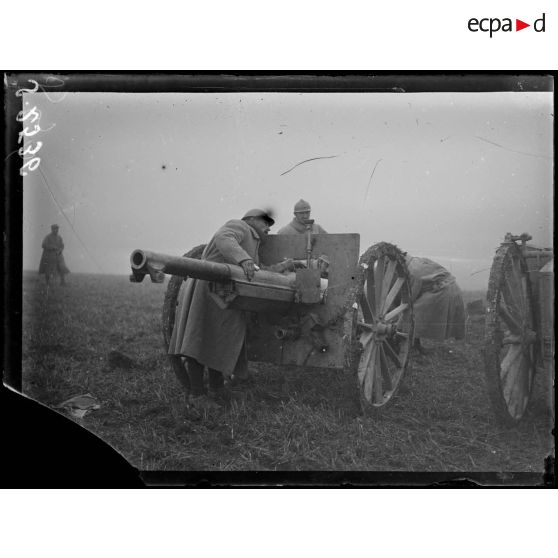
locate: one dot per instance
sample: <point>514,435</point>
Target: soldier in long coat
<point>437,302</point>
<point>206,334</point>
<point>302,211</point>
<point>52,260</point>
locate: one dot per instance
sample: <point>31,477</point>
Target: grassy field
<point>293,419</point>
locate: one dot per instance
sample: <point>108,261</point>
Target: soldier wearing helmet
<point>207,335</point>
<point>298,224</point>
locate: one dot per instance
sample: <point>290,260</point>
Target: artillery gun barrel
<point>144,262</point>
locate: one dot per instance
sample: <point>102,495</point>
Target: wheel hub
<point>383,331</point>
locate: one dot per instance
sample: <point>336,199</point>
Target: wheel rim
<point>511,339</point>
<point>384,324</point>
<point>169,313</point>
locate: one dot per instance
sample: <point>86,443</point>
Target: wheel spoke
<point>390,352</point>
<point>378,278</point>
<point>511,340</point>
<point>510,298</point>
<point>385,368</point>
<point>528,376</point>
<point>395,312</point>
<point>365,339</point>
<point>369,371</point>
<point>518,386</point>
<point>511,321</point>
<point>394,291</point>
<point>402,334</point>
<point>388,276</point>
<point>369,291</point>
<point>377,377</point>
<point>524,381</point>
<point>518,282</point>
<point>509,363</point>
<point>527,306</point>
<point>367,312</point>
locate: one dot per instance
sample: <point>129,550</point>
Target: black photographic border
<point>42,445</point>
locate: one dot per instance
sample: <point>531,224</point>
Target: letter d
<point>535,25</point>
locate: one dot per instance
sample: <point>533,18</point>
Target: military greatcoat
<point>437,301</point>
<point>52,260</point>
<point>202,330</point>
<point>294,227</point>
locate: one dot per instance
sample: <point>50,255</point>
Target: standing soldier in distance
<point>52,260</point>
<point>298,224</point>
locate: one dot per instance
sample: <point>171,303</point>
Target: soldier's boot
<point>198,399</point>
<point>217,390</point>
<point>418,346</point>
<point>203,403</point>
<point>241,376</point>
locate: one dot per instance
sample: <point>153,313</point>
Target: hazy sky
<point>453,171</point>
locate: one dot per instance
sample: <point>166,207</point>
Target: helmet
<point>301,206</point>
<point>259,213</point>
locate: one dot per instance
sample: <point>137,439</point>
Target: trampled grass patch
<point>101,335</point>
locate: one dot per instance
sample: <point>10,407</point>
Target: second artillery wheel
<point>510,338</point>
<point>381,324</point>
<point>169,313</point>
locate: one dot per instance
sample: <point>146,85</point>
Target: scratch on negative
<point>306,161</point>
<point>479,271</point>
<point>370,180</point>
<point>512,150</point>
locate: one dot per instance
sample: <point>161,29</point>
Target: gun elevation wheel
<point>381,324</point>
<point>510,338</point>
<point>169,313</point>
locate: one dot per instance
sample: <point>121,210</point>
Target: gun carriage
<point>357,316</point>
<point>519,326</point>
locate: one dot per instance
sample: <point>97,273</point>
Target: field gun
<point>356,317</point>
<point>230,288</point>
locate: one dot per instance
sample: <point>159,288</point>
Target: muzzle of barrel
<point>141,268</point>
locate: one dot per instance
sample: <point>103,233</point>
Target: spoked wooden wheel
<point>382,324</point>
<point>510,338</point>
<point>169,313</point>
